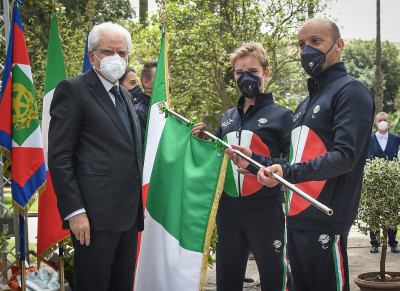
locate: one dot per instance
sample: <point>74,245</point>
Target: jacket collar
<point>145,99</point>
<point>326,77</point>
<point>262,99</point>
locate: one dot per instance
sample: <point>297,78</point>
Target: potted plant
<point>379,209</point>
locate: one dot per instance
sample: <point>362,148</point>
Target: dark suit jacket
<point>93,162</point>
<point>391,150</point>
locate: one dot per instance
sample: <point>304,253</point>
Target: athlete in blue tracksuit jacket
<point>329,145</point>
<point>250,215</point>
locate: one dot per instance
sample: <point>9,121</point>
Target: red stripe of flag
<point>50,232</point>
<point>20,52</point>
<point>21,173</point>
<point>5,109</point>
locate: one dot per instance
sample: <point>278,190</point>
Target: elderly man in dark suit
<point>95,161</point>
<point>384,144</point>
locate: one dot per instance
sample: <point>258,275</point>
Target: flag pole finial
<point>163,14</point>
<point>90,11</point>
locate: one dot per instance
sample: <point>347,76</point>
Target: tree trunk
<point>378,68</point>
<point>143,10</point>
<point>382,267</point>
<point>310,8</point>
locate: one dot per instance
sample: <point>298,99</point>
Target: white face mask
<point>383,125</point>
<point>112,67</point>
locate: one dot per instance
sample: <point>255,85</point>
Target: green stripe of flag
<point>55,67</point>
<point>183,184</point>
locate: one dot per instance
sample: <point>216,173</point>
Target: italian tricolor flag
<point>50,232</point>
<point>183,177</point>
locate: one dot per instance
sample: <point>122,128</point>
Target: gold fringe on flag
<point>24,210</point>
<point>166,43</point>
<point>211,222</point>
<point>61,243</point>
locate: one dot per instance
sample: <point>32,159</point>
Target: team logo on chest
<point>226,123</point>
<point>316,110</point>
<point>324,239</point>
<point>262,121</point>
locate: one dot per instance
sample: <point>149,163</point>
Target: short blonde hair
<point>252,49</point>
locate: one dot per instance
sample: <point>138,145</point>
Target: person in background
<point>130,82</point>
<point>251,216</point>
<point>384,145</point>
<point>329,146</point>
<point>95,161</point>
<point>142,106</point>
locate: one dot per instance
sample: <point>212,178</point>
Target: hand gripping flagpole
<point>287,184</point>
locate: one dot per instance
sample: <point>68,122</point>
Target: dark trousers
<point>108,263</point>
<point>318,261</point>
<point>260,230</point>
<point>391,235</point>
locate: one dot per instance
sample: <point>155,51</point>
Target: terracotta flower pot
<point>375,286</point>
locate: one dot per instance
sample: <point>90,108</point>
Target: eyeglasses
<point>109,52</point>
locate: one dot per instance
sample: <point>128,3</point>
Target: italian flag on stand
<point>182,181</point>
<point>50,232</point>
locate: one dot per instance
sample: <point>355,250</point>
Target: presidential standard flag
<point>50,232</point>
<point>184,177</point>
<point>20,136</point>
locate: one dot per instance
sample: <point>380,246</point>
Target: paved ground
<point>360,260</point>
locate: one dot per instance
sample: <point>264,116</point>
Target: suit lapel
<point>390,143</point>
<point>103,98</point>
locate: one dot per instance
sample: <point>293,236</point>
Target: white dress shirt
<point>382,139</point>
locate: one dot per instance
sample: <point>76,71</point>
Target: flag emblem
<point>305,145</point>
<point>24,110</point>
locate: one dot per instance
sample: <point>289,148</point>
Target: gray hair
<point>97,31</point>
<point>381,113</point>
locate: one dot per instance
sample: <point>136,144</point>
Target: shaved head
<point>326,23</point>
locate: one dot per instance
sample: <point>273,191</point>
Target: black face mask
<point>312,60</point>
<point>136,92</point>
<point>249,85</point>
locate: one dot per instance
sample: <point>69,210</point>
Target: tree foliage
<point>359,56</point>
<point>203,34</point>
<point>394,126</point>
<point>380,201</point>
